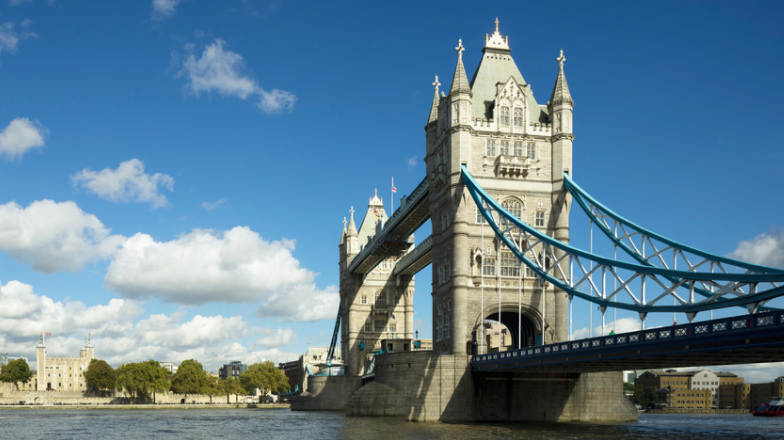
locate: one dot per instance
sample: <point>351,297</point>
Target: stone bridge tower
<point>518,151</point>
<point>375,306</point>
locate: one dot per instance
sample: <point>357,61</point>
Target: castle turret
<point>560,107</point>
<point>41,363</point>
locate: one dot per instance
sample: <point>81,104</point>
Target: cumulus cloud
<point>164,8</point>
<point>412,162</point>
<point>220,70</point>
<point>207,266</point>
<point>213,340</point>
<point>54,236</point>
<point>128,182</point>
<point>21,135</point>
<point>764,249</point>
<point>623,325</point>
<point>10,38</point>
<point>211,206</point>
<point>302,303</point>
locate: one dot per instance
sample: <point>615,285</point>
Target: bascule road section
<point>498,191</point>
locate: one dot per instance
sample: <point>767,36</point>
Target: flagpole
<point>392,197</point>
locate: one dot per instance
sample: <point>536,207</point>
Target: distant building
<point>686,399</point>
<point>695,380</point>
<point>62,373</point>
<point>313,362</point>
<point>232,369</point>
<point>171,367</point>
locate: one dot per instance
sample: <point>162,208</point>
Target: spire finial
<point>496,41</point>
<point>352,212</point>
<point>561,59</point>
<point>496,24</point>
<point>344,224</point>
<point>436,84</point>
<point>460,48</point>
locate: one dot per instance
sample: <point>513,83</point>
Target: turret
<point>352,238</point>
<point>561,103</point>
<point>41,363</point>
<point>459,92</point>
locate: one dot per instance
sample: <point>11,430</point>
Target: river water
<point>284,424</point>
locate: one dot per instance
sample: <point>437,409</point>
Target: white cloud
<point>21,135</point>
<point>276,101</point>
<point>764,249</point>
<point>303,303</point>
<point>10,38</point>
<point>205,266</point>
<point>412,163</point>
<point>211,206</point>
<point>128,182</point>
<point>213,340</point>
<point>54,236</point>
<point>164,8</point>
<point>623,325</point>
<point>220,69</point>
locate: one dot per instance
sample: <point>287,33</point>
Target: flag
<point>376,212</point>
<point>47,334</point>
<point>394,190</point>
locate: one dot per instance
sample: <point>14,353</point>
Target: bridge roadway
<point>748,339</point>
<point>392,240</point>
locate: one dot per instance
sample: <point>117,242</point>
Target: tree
<point>16,371</point>
<point>233,386</point>
<point>266,377</point>
<point>214,387</point>
<point>189,379</point>
<point>100,376</point>
<point>131,380</point>
<point>645,395</point>
<point>157,378</point>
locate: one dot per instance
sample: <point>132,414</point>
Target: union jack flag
<point>47,334</point>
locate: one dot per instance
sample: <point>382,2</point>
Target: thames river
<point>283,424</point>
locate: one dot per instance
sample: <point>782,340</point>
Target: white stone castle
<point>61,373</point>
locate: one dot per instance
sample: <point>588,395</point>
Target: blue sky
<point>174,175</point>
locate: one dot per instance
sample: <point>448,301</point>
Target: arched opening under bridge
<point>513,329</point>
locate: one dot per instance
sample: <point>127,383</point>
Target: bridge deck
<point>393,238</point>
<point>745,339</point>
<point>415,260</point>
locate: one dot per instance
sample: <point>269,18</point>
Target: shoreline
<point>151,406</point>
<point>699,411</point>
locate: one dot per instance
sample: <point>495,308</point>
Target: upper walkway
<point>748,339</point>
<point>393,239</point>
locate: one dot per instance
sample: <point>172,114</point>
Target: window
<point>505,115</point>
<point>488,267</point>
<point>510,266</point>
<point>531,151</point>
<point>518,117</point>
<point>393,327</point>
<point>518,149</point>
<point>514,207</point>
<point>368,326</point>
<point>490,147</point>
<point>364,299</point>
<point>539,219</point>
<point>504,148</point>
<point>381,325</point>
<point>381,298</point>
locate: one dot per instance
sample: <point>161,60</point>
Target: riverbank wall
<point>149,406</point>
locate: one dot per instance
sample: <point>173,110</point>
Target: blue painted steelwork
<point>770,276</point>
<point>334,342</point>
<point>755,331</point>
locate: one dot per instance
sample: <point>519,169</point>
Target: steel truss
<point>567,267</point>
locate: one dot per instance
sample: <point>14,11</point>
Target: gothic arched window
<point>514,207</point>
<point>518,117</point>
<point>505,115</point>
<point>381,298</point>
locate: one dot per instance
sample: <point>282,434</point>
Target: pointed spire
<point>561,93</point>
<point>460,79</point>
<point>352,227</point>
<point>434,108</point>
<point>343,235</point>
<point>496,41</point>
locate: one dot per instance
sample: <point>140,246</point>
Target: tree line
<point>147,379</point>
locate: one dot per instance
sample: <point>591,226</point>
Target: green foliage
<point>214,387</point>
<point>100,376</point>
<point>16,371</point>
<point>628,387</point>
<point>233,386</point>
<point>644,395</point>
<point>266,377</point>
<point>190,378</point>
<point>142,378</point>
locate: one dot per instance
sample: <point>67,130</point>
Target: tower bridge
<point>498,192</point>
